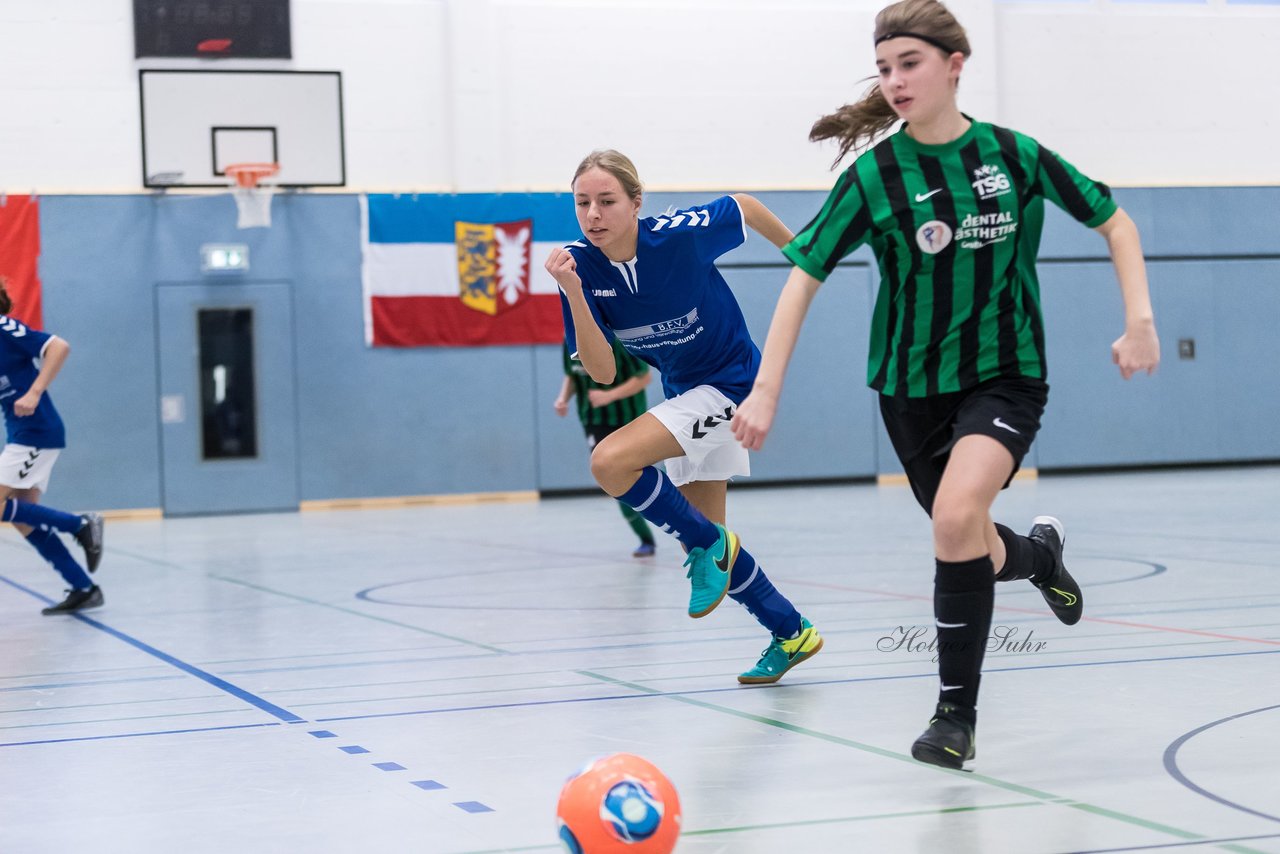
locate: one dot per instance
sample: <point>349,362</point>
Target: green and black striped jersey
<point>619,412</point>
<point>955,229</point>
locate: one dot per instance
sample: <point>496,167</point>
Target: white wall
<point>476,95</point>
<point>1147,95</point>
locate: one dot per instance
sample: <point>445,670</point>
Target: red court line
<point>1174,629</point>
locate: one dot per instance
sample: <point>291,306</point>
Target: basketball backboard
<point>195,123</point>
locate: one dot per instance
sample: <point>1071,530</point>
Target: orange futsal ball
<point>619,804</point>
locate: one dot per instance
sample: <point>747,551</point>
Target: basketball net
<point>253,199</point>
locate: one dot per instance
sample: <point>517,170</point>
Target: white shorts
<point>699,419</point>
<point>25,467</point>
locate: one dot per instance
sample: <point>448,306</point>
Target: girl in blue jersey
<point>35,437</point>
<point>652,285</point>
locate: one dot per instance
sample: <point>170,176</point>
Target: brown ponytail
<point>864,119</point>
<point>6,303</point>
<point>872,115</point>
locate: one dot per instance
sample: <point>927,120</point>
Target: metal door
<point>228,409</point>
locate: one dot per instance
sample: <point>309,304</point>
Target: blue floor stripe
<point>134,734</point>
<point>221,684</point>
<point>734,688</point>
<point>1165,846</point>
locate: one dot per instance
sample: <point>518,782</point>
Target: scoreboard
<point>254,29</point>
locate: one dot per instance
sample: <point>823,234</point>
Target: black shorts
<point>925,429</point>
<point>597,432</point>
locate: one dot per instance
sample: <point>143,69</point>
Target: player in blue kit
<point>652,285</point>
<point>34,438</point>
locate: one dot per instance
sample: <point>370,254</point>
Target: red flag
<point>19,253</point>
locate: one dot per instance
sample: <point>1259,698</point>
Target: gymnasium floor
<point>424,679</point>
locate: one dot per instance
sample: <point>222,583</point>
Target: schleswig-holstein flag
<point>463,270</point>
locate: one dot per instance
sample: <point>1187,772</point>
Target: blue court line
<point>48,685</point>
<point>1171,764</point>
<point>252,699</point>
<point>725,639</point>
<point>203,675</point>
<point>930,675</point>
<point>375,617</point>
<point>135,734</point>
<point>1161,847</point>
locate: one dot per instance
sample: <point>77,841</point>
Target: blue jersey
<point>669,305</point>
<point>20,346</point>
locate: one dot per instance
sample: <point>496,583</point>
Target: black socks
<point>963,598</point>
<point>1024,558</point>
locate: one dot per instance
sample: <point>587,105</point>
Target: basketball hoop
<point>253,199</point>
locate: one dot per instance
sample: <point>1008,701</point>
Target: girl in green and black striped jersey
<point>603,409</point>
<point>952,208</point>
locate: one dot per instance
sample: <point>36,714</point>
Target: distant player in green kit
<point>602,409</point>
<point>952,208</point>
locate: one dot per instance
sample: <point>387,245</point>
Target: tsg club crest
<point>989,182</point>
<point>493,264</point>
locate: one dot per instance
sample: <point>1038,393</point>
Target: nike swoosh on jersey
<point>999,422</point>
<point>920,197</point>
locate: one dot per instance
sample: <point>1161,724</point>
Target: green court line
<point>780,825</point>
<point>890,754</point>
<point>816,821</point>
<point>331,607</point>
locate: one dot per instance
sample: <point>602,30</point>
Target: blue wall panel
<point>1245,356</point>
<point>95,268</point>
<point>375,422</point>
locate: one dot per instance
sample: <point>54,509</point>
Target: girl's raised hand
<point>564,269</point>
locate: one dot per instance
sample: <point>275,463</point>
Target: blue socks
<point>657,499</point>
<point>51,549</point>
<point>751,588</point>
<point>37,515</point>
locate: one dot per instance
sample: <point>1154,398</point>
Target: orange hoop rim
<point>248,175</point>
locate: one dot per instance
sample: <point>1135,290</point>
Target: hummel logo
<point>920,197</point>
<point>710,422</point>
<point>26,467</point>
<point>999,422</point>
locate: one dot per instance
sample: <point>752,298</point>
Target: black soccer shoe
<point>949,741</point>
<point>1059,589</point>
<point>90,539</point>
<point>77,600</point>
